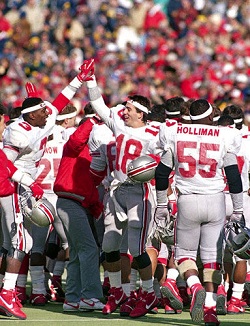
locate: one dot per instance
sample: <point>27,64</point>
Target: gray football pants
<point>83,274</point>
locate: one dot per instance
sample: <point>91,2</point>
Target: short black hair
<point>225,120</point>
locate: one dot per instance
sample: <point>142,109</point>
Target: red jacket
<point>6,186</point>
<point>73,179</point>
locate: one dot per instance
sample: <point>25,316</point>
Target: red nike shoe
<point>165,303</point>
<point>38,299</point>
<point>210,316</point>
<point>170,291</point>
<point>184,296</point>
<point>234,306</point>
<point>221,303</point>
<point>128,305</point>
<point>10,304</point>
<point>115,299</point>
<point>197,302</point>
<point>147,303</point>
<point>21,294</point>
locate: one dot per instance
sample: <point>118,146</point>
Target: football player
<point>103,152</point>
<point>199,152</point>
<point>47,171</point>
<point>131,205</point>
<point>24,144</point>
<point>235,305</point>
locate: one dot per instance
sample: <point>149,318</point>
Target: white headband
<point>139,106</point>
<point>216,118</point>
<point>186,117</point>
<point>237,120</point>
<point>203,115</point>
<point>61,117</point>
<point>34,108</point>
<point>172,113</point>
<point>90,115</point>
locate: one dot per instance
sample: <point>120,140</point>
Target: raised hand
<point>87,71</point>
<point>31,90</point>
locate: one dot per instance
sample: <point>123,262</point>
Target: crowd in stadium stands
<point>159,49</point>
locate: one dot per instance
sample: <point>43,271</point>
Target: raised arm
<point>96,99</point>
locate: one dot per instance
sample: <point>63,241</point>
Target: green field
<point>52,314</point>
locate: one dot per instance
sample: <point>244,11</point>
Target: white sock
<point>226,286</point>
<point>210,300</point>
<point>172,273</point>
<point>193,280</point>
<point>238,289</point>
<point>115,279</point>
<point>9,281</point>
<point>37,279</point>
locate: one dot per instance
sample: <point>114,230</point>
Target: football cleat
<point>147,302</point>
<point>210,317</point>
<point>53,294</point>
<point>56,291</point>
<point>197,302</point>
<point>90,304</point>
<point>221,302</point>
<point>38,299</point>
<point>115,299</point>
<point>167,307</point>
<point>21,294</point>
<point>234,306</point>
<point>10,304</point>
<point>128,305</point>
<point>184,296</point>
<point>142,169</point>
<point>169,290</point>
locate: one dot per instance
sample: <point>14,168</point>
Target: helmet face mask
<point>142,169</point>
<point>40,212</point>
<point>237,238</point>
<point>167,234</point>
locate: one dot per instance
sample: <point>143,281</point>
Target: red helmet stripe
<point>141,169</point>
<point>48,213</point>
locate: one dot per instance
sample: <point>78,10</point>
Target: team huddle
<point>159,198</point>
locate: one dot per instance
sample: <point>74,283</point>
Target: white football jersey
<point>198,152</point>
<point>103,151</point>
<point>29,143</point>
<point>49,163</point>
<point>131,143</point>
<point>243,158</point>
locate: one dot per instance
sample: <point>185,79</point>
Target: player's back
<point>199,152</point>
<point>48,165</point>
